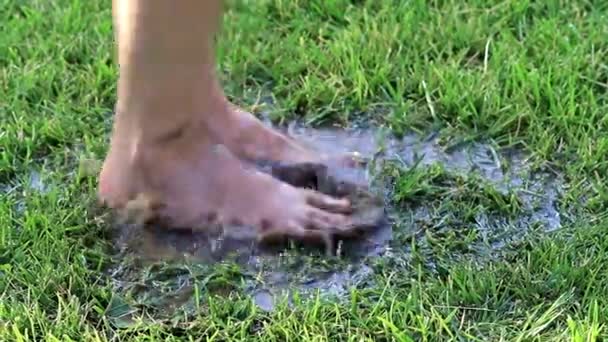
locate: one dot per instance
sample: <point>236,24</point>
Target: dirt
<point>164,270</point>
<point>148,258</point>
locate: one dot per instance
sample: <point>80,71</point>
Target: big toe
<point>347,160</point>
<point>321,219</point>
<point>326,202</point>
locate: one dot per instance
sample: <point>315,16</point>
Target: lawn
<point>521,77</point>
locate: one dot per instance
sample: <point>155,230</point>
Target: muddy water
<point>274,273</point>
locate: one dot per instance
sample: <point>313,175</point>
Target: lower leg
<point>190,48</point>
<point>165,65</point>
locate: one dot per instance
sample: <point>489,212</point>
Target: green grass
<point>523,74</point>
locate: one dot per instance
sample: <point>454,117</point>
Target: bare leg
<point>171,118</point>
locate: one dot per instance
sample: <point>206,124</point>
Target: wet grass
<point>522,74</point>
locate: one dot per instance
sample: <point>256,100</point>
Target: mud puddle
<point>164,269</point>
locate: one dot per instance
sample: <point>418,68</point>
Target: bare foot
<point>195,182</point>
<point>250,139</point>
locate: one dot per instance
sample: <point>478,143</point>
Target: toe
<point>291,228</point>
<point>354,159</point>
<point>322,201</point>
<point>311,235</point>
<point>320,219</point>
<point>348,160</point>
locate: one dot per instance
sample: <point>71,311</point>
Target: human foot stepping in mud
<point>193,183</point>
<point>172,115</point>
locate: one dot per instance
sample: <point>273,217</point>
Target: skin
<point>178,143</point>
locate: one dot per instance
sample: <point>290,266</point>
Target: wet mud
<point>165,269</point>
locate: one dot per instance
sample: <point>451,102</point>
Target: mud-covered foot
<point>194,182</point>
<point>250,139</point>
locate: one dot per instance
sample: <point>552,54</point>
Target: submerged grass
<point>524,74</point>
